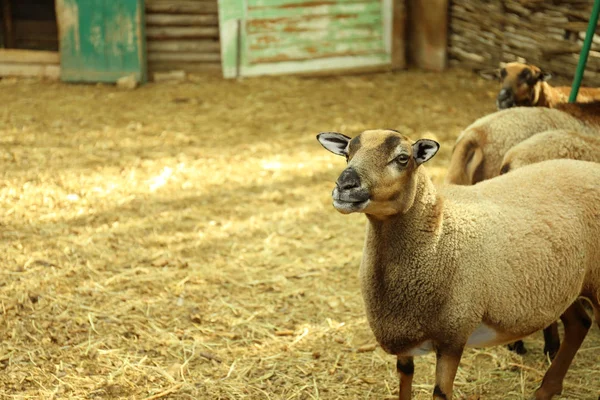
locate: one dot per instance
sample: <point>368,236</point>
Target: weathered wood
<point>185,57</point>
<point>28,56</point>
<point>182,32</point>
<point>37,70</point>
<point>9,40</point>
<point>182,20</point>
<point>182,6</point>
<point>175,46</point>
<point>428,33</point>
<point>484,34</point>
<point>398,35</point>
<point>162,66</point>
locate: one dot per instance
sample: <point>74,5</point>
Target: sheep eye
<point>503,73</point>
<point>402,159</point>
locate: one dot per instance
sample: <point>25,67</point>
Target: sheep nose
<point>504,93</point>
<point>349,179</point>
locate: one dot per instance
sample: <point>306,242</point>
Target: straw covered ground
<point>178,241</point>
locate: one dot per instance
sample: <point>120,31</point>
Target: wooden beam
<point>182,7</point>
<point>37,70</point>
<point>157,66</point>
<point>187,33</point>
<point>185,57</point>
<point>29,57</point>
<point>175,46</point>
<point>428,33</point>
<point>399,34</point>
<point>9,39</point>
<point>181,20</point>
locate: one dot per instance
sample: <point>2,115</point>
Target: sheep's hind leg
<point>518,347</point>
<point>576,323</point>
<point>551,340</point>
<point>406,368</point>
<point>445,371</point>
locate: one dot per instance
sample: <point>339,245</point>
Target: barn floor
<point>178,241</point>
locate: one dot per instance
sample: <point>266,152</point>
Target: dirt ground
<point>178,241</point>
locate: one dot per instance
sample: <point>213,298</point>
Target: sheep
<point>478,152</point>
<point>551,145</point>
<point>444,269</point>
<point>480,148</point>
<point>525,85</point>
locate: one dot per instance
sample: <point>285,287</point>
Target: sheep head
<point>521,85</point>
<point>380,177</point>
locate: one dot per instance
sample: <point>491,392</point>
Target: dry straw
<point>178,242</point>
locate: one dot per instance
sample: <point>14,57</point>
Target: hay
<point>178,242</point>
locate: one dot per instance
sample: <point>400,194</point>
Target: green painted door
<point>101,40</point>
<point>285,36</point>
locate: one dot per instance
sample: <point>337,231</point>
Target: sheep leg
<point>551,340</point>
<point>576,323</point>
<point>445,372</point>
<point>518,347</point>
<point>406,368</point>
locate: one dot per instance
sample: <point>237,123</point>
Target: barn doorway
<point>29,38</point>
<point>29,25</point>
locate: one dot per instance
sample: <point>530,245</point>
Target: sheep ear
<point>424,149</point>
<point>334,142</point>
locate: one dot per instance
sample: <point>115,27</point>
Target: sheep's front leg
<point>406,368</point>
<point>448,359</point>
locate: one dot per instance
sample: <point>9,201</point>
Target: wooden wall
<point>182,35</point>
<point>486,33</point>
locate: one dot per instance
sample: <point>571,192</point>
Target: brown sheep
<point>525,85</point>
<point>479,149</point>
<point>552,145</point>
<point>444,268</point>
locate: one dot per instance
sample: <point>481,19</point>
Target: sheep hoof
<point>518,347</point>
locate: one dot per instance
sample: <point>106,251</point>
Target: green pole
<point>585,51</point>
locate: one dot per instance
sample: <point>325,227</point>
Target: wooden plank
<point>428,33</point>
<point>313,23</point>
<point>29,56</point>
<point>295,3</point>
<point>321,65</point>
<point>9,40</point>
<point>185,57</point>
<point>206,46</point>
<point>398,34</point>
<point>309,51</point>
<point>159,66</point>
<point>181,7</point>
<point>182,32</point>
<point>314,38</point>
<point>36,70</point>
<point>182,20</point>
<point>365,6</point>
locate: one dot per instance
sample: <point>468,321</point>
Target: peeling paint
<point>101,40</point>
<point>304,33</point>
<point>67,16</point>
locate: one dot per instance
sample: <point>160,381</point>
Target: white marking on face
<point>482,336</point>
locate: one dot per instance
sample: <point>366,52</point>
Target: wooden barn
<point>101,40</point>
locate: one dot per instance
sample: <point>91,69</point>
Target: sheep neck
<point>400,266</point>
<point>548,97</point>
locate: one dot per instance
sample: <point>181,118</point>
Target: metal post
<point>585,51</point>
